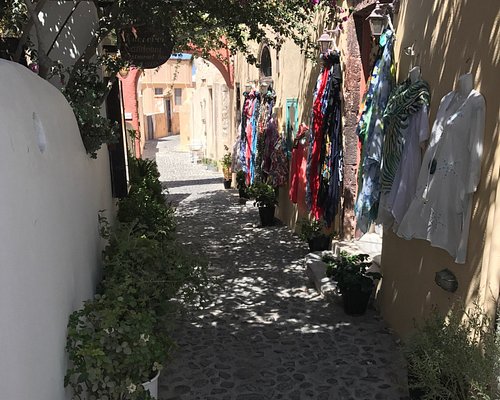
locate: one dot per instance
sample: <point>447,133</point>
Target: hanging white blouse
<point>440,211</point>
<point>394,204</point>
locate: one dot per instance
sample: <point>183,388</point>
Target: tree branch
<point>26,31</point>
<point>45,63</point>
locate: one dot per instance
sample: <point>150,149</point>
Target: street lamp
<point>378,20</point>
<point>324,42</point>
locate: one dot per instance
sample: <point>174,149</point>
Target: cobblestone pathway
<point>267,335</point>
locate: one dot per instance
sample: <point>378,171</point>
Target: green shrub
<point>113,349</point>
<point>264,194</point>
<point>118,339</point>
<point>454,358</point>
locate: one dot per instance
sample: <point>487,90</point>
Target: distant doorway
<point>168,115</point>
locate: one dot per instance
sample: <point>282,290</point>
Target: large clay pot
<point>267,215</point>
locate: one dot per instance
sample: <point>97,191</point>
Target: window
<point>265,63</point>
<point>158,91</point>
<point>178,97</point>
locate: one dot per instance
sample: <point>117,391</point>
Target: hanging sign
<point>145,47</point>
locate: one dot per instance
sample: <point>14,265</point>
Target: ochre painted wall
<point>450,38</point>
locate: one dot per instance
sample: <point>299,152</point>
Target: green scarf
<point>406,99</point>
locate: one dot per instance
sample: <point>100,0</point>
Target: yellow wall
<point>171,75</point>
<point>450,38</point>
<point>294,77</point>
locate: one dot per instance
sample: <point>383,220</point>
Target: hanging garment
<point>279,164</point>
<point>316,143</point>
<point>299,163</point>
<point>251,113</point>
<point>406,128</point>
<point>370,132</point>
<point>271,136</point>
<point>440,212</point>
<point>267,136</point>
<point>243,137</point>
<point>332,155</point>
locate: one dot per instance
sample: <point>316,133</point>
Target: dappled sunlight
<point>264,333</point>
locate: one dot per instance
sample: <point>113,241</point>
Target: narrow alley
<point>267,334</point>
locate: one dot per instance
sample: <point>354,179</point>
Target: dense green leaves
<point>120,338</point>
<point>350,271</point>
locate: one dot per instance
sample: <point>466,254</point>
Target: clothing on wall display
<point>406,128</point>
<point>370,133</point>
<point>261,155</point>
<point>440,211</point>
<point>325,158</point>
<point>299,163</point>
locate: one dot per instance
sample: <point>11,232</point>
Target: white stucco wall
<point>49,242</point>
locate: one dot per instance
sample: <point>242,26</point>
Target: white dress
<point>394,204</point>
<point>440,211</point>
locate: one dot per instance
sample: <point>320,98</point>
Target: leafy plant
<point>113,349</point>
<point>350,271</point>
<point>454,357</point>
<point>145,203</point>
<point>118,340</point>
<point>310,229</point>
<point>226,161</point>
<point>264,194</point>
<point>85,93</point>
<point>241,184</point>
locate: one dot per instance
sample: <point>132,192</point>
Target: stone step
<point>370,244</point>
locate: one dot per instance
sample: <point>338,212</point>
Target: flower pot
<point>242,193</point>
<point>355,300</point>
<point>266,215</point>
<point>319,243</point>
<point>152,386</point>
<point>227,184</point>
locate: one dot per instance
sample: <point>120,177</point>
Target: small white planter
<point>152,386</point>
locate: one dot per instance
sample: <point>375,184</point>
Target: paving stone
<point>266,334</point>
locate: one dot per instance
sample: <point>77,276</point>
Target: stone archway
<point>220,58</point>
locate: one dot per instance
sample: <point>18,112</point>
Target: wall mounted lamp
<point>325,40</point>
<point>378,19</point>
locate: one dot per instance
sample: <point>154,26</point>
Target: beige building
<point>447,39</point>
<point>164,98</point>
<point>210,113</point>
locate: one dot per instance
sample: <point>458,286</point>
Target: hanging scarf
<point>332,152</point>
<point>407,99</point>
<point>253,142</point>
<point>371,134</point>
<point>279,164</point>
<point>316,143</point>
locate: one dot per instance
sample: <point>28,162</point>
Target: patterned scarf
<point>406,100</point>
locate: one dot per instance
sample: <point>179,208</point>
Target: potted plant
<point>353,280</point>
<point>226,168</point>
<point>266,200</point>
<point>115,351</point>
<point>311,231</point>
<point>242,186</point>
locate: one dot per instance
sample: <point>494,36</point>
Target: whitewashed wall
<point>50,194</point>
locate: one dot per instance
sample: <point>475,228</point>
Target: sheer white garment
<point>440,212</point>
<point>394,204</point>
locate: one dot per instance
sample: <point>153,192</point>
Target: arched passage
<point>220,58</point>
